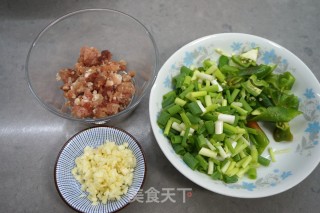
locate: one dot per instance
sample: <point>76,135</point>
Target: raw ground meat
<point>97,86</point>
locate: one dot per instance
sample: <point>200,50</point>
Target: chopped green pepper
<point>277,114</point>
<point>282,132</point>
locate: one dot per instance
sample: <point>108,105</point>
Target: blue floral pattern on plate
<point>311,112</point>
<point>268,180</point>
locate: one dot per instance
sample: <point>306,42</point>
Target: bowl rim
<point>131,106</point>
<point>168,155</point>
<point>81,132</point>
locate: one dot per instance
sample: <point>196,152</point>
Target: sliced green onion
<point>211,108</point>
<point>194,108</point>
<point>186,91</point>
<point>163,118</point>
<point>186,82</point>
<point>185,119</point>
<point>219,75</point>
<point>208,100</point>
<point>252,173</point>
<point>170,94</point>
<point>239,148</point>
<point>176,126</point>
<point>216,175</point>
<point>242,171</point>
<point>176,139</point>
<point>281,151</point>
<point>191,161</point>
<point>211,69</point>
<point>228,143</point>
<point>232,129</point>
<point>215,82</point>
<point>246,162</point>
<point>245,105</point>
<point>174,109</point>
<point>226,166</point>
<point>271,152</point>
<point>224,102</point>
<point>226,118</point>
<point>254,153</point>
<point>193,119</point>
<point>230,168</point>
<point>201,141</point>
<point>212,88</point>
<point>209,126</point>
<point>222,153</point>
<point>202,162</point>
<point>263,161</point>
<point>169,100</point>
<point>239,109</point>
<point>179,149</point>
<point>198,94</point>
<point>233,172</point>
<point>209,144</point>
<point>201,106</point>
<point>242,154</point>
<point>185,136</point>
<point>239,104</point>
<point>233,96</point>
<point>219,127</point>
<point>195,75</point>
<point>210,167</point>
<point>168,126</point>
<point>180,102</point>
<point>185,70</point>
<point>207,152</point>
<point>204,76</point>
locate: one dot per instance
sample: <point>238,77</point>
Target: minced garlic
<point>105,172</point>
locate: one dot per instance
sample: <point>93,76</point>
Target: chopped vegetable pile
<point>105,172</point>
<point>211,115</point>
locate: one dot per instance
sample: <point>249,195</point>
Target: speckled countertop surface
<point>31,137</point>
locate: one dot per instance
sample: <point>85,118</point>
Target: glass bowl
<point>58,46</point>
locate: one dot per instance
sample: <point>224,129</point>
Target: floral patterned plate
<point>300,157</point>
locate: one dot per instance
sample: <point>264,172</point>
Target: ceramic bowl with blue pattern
<point>301,156</point>
<point>70,189</point>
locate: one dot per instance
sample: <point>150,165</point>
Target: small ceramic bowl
<point>70,189</point>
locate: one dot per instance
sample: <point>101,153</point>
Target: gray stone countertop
<point>31,137</point>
